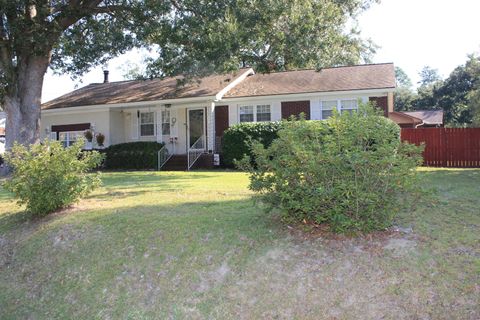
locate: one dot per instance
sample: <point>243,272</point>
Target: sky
<point>410,33</point>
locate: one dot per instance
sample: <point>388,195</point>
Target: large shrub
<point>47,176</point>
<point>238,138</point>
<point>348,171</point>
<point>133,155</point>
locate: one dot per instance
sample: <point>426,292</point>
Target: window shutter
<point>53,135</point>
<point>134,126</point>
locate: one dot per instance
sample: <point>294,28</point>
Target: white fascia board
<point>368,92</point>
<point>232,84</point>
<point>142,104</point>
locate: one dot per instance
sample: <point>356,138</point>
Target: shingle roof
<point>428,116</point>
<point>360,77</point>
<point>142,90</point>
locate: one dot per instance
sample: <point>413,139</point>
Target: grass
<point>195,245</point>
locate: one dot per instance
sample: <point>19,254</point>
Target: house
<point>191,116</point>
<point>418,119</point>
<point>2,132</point>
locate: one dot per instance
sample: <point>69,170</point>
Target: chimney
<point>105,76</point>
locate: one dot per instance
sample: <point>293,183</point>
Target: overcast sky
<point>410,33</point>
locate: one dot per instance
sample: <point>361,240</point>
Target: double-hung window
<point>247,114</point>
<point>147,124</point>
<point>67,138</point>
<point>255,113</point>
<point>348,106</point>
<point>263,112</point>
<point>166,122</point>
<point>327,108</point>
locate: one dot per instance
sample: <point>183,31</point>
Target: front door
<point>196,129</point>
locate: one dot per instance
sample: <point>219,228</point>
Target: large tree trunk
<point>22,103</point>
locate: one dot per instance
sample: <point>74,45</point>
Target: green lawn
<point>195,246</point>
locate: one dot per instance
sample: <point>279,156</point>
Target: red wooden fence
<point>447,147</point>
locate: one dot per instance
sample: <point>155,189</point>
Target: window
<point>328,107</point>
<point>166,122</point>
<point>263,112</point>
<point>255,113</point>
<point>246,114</point>
<point>147,124</point>
<point>348,105</point>
<point>67,138</point>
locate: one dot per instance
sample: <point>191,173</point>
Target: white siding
<point>134,125</point>
<point>99,119</point>
<point>117,132</point>
<point>210,127</point>
<point>232,114</point>
<point>276,110</point>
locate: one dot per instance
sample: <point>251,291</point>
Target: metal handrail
<point>195,151</point>
<point>163,157</point>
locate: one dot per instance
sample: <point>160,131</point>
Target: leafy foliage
<point>428,76</point>
<point>347,171</point>
<point>457,95</point>
<point>238,138</point>
<point>215,36</point>
<point>133,155</point>
<point>47,177</point>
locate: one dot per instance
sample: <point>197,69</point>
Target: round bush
<point>47,176</point>
<point>347,172</point>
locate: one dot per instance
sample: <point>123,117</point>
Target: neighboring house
<point>418,119</point>
<point>2,132</point>
<point>193,116</point>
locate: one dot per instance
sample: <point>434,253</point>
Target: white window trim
<point>67,136</point>
<point>140,125</point>
<point>163,113</point>
<point>339,105</point>
<point>255,108</point>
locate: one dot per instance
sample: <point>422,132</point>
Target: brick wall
<point>294,108</point>
<point>382,103</point>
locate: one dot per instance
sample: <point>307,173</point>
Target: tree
<point>429,80</point>
<point>428,76</point>
<point>266,35</point>
<point>71,36</point>
<point>402,78</point>
<point>404,96</point>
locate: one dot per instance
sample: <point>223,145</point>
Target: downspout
<point>420,124</point>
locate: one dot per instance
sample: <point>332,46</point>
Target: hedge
<point>133,155</point>
<point>236,139</point>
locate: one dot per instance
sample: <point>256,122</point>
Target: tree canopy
<point>267,35</point>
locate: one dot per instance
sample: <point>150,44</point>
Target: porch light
<point>168,105</point>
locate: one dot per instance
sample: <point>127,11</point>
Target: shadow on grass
<point>141,178</point>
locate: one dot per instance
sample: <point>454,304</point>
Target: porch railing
<point>163,157</point>
<point>195,151</point>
